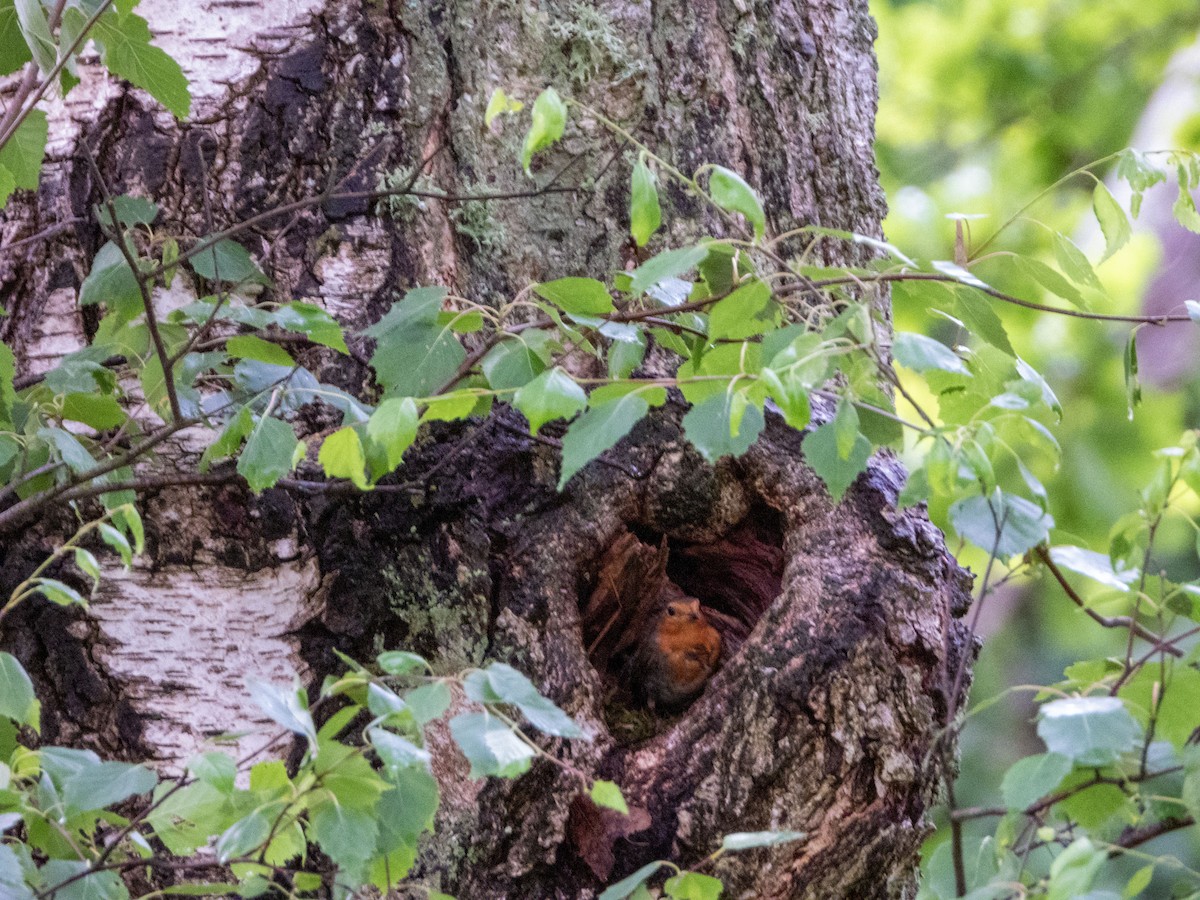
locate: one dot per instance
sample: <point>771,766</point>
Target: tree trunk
<point>839,620</point>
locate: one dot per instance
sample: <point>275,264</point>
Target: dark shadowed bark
<point>838,619</point>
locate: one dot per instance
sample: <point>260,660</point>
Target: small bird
<point>677,656</point>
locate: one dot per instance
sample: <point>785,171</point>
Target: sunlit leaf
<point>549,121</point>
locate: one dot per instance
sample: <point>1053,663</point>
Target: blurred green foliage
<point>984,105</point>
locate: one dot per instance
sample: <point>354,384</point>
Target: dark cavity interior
<point>735,579</point>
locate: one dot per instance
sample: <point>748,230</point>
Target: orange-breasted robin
<point>675,659</point>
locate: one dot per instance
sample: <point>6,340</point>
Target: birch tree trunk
<point>839,619</point>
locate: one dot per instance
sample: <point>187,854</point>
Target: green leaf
<point>693,886</point>
<point>552,395</point>
<point>418,360</point>
<point>549,121</point>
<point>17,699</point>
<point>68,449</point>
<point>419,307</point>
<point>408,809</point>
<point>60,593</point>
<point>1097,566</point>
<point>1184,209</point>
<point>1138,170</point>
<point>1090,731</point>
<point>975,311</point>
<point>499,104</point>
<point>1139,882</point>
<point>511,364</point>
<point>397,752</point>
<point>229,262</point>
<point>577,296</point>
<point>1009,523</point>
<point>346,835</point>
<point>216,769</point>
<point>269,455</point>
<point>1050,279</point>
<point>125,50</point>
<point>129,211</point>
<point>730,192</point>
<point>599,429</point>
<point>390,431</point>
<point>14,52</point>
<point>105,784</point>
<point>12,878</point>
<point>8,184</point>
<point>823,453</point>
<point>630,883</point>
<point>249,346</point>
<point>312,322</point>
<point>1074,870</point>
<point>625,356</point>
<point>669,264</point>
<point>921,353</point>
<point>466,322</point>
<point>342,456</point>
<point>451,407</point>
<point>87,563</point>
<point>23,153</point>
<point>490,746</point>
<point>608,794</point>
<point>35,28</point>
<point>1173,692</point>
<point>99,411</point>
<point>429,701</point>
<point>401,662</point>
<point>248,833</point>
<point>230,438</point>
<point>112,283</point>
<point>645,215</point>
<point>285,706</point>
<point>95,886</point>
<point>725,424</point>
<point>748,840</point>
<point>384,702</point>
<point>747,312</point>
<point>117,541</point>
<point>504,684</point>
<point>1074,263</point>
<point>1133,384</point>
<point>1113,221</point>
<point>1031,778</point>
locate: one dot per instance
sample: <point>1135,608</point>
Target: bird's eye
<point>670,610</point>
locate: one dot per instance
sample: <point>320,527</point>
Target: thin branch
<point>20,512</point>
<point>44,234</point>
<point>1106,621</point>
<point>334,197</point>
<point>1040,806</point>
<point>999,295</point>
<point>222,295</point>
<point>143,282</point>
<point>1136,836</point>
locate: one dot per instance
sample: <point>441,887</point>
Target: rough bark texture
<point>839,620</point>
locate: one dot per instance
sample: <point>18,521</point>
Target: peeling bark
<point>839,621</point>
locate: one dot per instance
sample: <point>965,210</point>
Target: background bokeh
<point>984,105</point>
